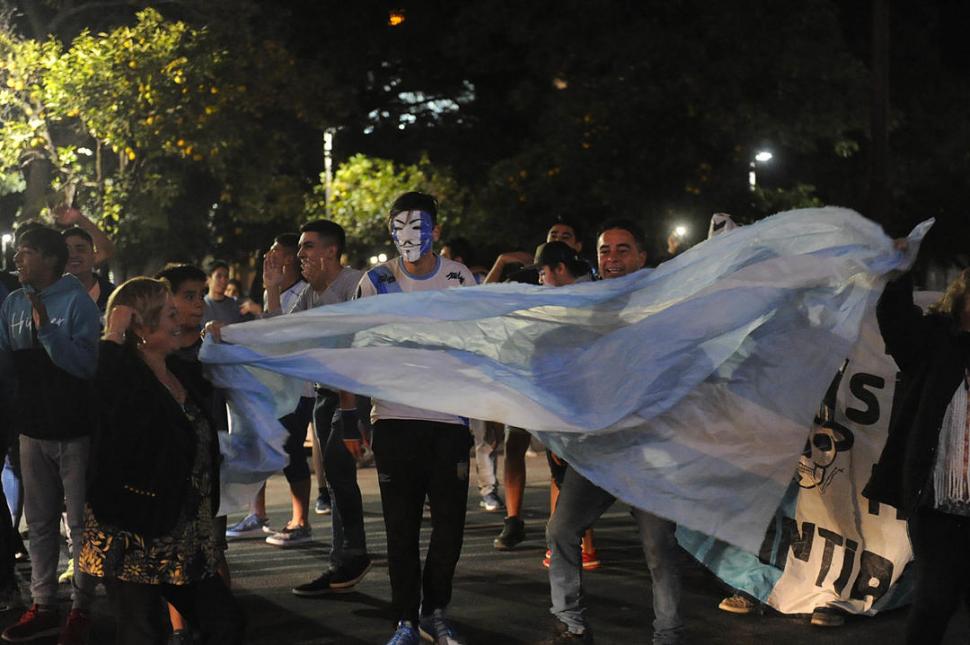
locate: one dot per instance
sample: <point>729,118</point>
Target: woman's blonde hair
<point>954,298</point>
<point>146,296</point>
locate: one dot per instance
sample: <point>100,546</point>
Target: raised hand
<point>272,271</point>
<point>67,216</point>
<point>119,321</point>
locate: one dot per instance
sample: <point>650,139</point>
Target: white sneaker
<point>739,604</point>
<point>290,536</point>
<point>491,503</point>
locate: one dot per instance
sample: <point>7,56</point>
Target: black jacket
<point>932,355</point>
<point>106,288</point>
<point>144,446</point>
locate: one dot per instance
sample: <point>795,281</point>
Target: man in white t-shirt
<point>419,454</point>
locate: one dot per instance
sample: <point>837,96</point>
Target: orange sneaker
<point>75,631</point>
<point>590,560</point>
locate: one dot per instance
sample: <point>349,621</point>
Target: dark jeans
<point>207,605</point>
<point>295,423</point>
<point>415,460</point>
<point>347,522</point>
<point>941,545</point>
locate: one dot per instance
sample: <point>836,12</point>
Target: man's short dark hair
<point>288,240</point>
<point>176,274</point>
<point>47,242</point>
<point>460,248</point>
<point>215,265</point>
<point>29,225</point>
<point>565,220</point>
<point>415,201</point>
<point>627,225</point>
<point>329,232</point>
<point>77,231</point>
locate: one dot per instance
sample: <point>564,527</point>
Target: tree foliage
<point>130,119</point>
<point>201,129</point>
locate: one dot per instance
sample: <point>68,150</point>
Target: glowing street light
<point>5,241</point>
<point>382,257</point>
<point>680,230</point>
<point>762,156</point>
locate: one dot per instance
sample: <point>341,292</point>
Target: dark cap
<point>552,253</point>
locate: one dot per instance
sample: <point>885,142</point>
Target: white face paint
<point>411,232</point>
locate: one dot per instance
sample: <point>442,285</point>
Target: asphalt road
<point>499,597</point>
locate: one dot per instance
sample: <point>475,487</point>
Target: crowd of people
<point>111,428</point>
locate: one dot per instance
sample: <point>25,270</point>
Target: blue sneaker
<point>406,634</point>
<point>249,526</point>
<point>435,629</point>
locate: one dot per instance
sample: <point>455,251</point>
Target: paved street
<point>501,597</point>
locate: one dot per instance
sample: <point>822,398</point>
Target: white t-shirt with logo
<point>393,277</point>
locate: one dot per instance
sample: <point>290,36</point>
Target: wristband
<point>348,421</point>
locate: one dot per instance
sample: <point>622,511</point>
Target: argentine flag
<point>685,390</point>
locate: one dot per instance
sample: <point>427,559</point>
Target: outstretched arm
<point>104,248</point>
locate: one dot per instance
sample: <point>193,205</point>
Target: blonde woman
<point>149,530</point>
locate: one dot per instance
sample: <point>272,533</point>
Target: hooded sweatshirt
<point>46,372</point>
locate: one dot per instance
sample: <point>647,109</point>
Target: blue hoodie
<point>46,379</point>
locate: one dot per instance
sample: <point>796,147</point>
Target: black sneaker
<point>323,506</point>
<point>512,533</point>
<point>341,579</point>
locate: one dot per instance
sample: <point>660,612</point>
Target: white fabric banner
<point>829,545</point>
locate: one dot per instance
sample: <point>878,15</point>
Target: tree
<point>133,119</point>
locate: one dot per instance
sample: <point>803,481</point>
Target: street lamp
<point>762,156</point>
<point>5,241</point>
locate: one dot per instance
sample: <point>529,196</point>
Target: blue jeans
<point>13,487</point>
<point>580,504</point>
<point>486,449</point>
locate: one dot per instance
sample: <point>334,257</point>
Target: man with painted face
<point>620,248</point>
<point>419,454</point>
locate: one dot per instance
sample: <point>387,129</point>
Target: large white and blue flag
<point>685,390</point>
